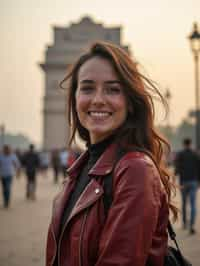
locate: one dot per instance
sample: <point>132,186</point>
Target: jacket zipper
<point>81,238</point>
<point>52,261</point>
<point>59,243</point>
<point>82,229</point>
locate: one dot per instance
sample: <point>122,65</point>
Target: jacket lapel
<point>93,190</point>
<point>106,163</point>
<point>90,195</point>
<point>62,198</point>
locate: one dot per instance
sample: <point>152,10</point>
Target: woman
<point>111,109</point>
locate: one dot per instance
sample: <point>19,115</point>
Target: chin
<point>100,135</point>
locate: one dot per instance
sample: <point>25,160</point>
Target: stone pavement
<point>23,227</point>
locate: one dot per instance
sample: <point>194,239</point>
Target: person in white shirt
<point>9,163</point>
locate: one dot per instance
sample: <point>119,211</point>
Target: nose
<point>98,97</point>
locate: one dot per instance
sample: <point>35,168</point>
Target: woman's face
<point>100,100</point>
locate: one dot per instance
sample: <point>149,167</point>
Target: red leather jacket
<point>136,225</point>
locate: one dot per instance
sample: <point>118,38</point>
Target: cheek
<point>121,105</point>
<point>81,104</point>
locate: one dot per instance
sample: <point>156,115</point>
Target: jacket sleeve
<point>131,222</point>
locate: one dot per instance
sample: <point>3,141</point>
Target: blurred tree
<point>17,141</point>
<point>175,135</point>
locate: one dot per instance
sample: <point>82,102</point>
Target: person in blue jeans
<point>8,165</point>
<point>187,166</point>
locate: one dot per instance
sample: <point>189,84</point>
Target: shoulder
<point>180,156</point>
<point>195,153</point>
<point>135,160</point>
<point>136,172</point>
<point>138,168</point>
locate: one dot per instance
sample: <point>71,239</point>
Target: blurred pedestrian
<point>44,162</point>
<point>55,162</point>
<point>9,163</point>
<point>31,165</point>
<point>63,161</point>
<point>19,155</point>
<point>187,164</point>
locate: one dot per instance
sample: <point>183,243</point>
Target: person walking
<point>56,165</point>
<point>63,161</point>
<point>44,157</point>
<point>31,164</point>
<point>9,164</point>
<point>187,166</point>
<point>110,108</point>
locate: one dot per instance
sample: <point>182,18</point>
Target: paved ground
<point>23,227</point>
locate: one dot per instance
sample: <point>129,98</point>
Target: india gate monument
<point>68,43</point>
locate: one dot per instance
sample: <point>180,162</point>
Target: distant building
<point>68,43</point>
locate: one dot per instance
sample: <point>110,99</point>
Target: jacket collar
<point>103,166</point>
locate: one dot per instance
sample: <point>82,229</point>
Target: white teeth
<point>99,114</point>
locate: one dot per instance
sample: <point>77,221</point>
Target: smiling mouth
<point>98,114</point>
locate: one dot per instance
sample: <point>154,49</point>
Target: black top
<point>95,151</point>
<point>187,165</point>
<point>31,161</point>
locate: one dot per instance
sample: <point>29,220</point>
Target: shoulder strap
<point>107,186</point>
<point>107,196</point>
<point>172,235</point>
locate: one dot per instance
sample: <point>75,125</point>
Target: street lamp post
<point>194,38</point>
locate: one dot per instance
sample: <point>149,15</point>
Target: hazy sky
<point>155,30</point>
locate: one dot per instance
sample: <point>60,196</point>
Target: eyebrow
<point>106,82</point>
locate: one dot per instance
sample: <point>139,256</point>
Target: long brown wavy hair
<point>138,129</point>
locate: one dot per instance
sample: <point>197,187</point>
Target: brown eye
<point>86,90</point>
<point>113,90</point>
